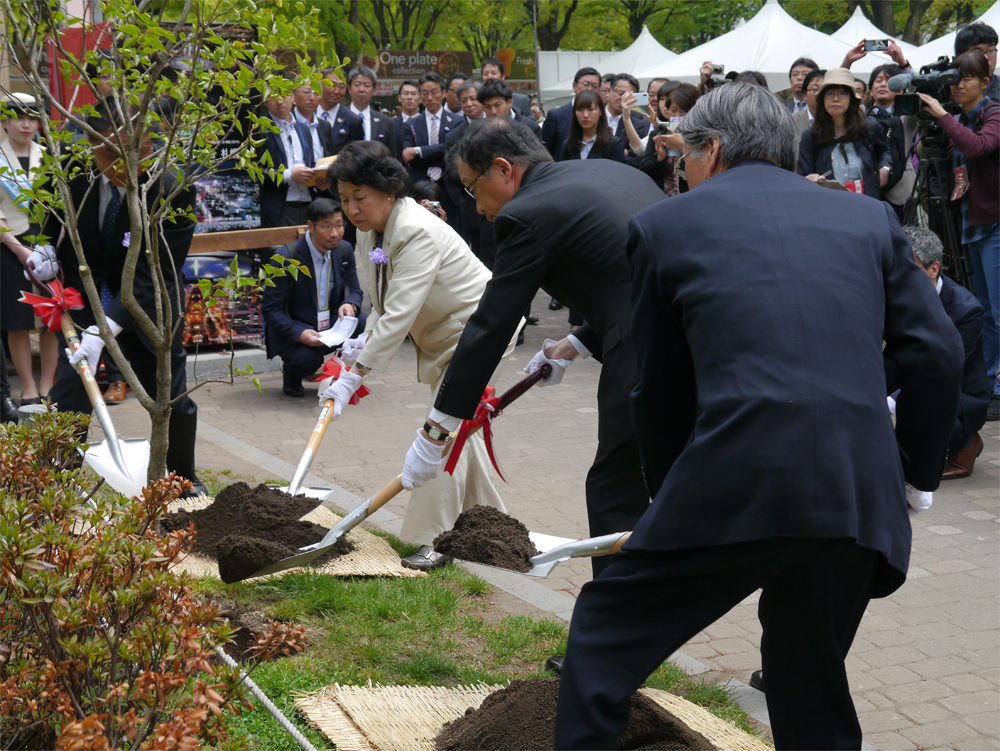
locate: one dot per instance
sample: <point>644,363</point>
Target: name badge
<point>324,320</point>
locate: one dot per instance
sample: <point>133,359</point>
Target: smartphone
<point>876,45</point>
<point>718,70</point>
<point>641,100</point>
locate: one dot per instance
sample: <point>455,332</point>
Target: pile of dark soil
<point>522,717</point>
<point>246,529</point>
<point>485,535</point>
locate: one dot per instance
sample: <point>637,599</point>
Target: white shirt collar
<point>364,113</point>
<point>301,118</point>
<point>939,285</point>
<point>317,256</point>
<point>332,111</point>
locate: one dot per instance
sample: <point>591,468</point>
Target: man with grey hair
<point>761,419</point>
<point>968,316</point>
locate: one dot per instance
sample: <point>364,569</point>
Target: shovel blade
<point>134,451</point>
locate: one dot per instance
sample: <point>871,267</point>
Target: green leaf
<point>256,382</point>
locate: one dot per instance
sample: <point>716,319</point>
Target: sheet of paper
<point>340,333</point>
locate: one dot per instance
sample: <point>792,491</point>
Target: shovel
<point>543,563</point>
<point>122,463</point>
<point>372,504</point>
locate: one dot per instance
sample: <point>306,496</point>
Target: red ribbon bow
<point>50,309</point>
<point>332,368</point>
<point>487,411</point>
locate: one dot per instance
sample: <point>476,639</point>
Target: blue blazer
<point>274,193</point>
<point>290,306</point>
<point>346,127</point>
<point>415,134</point>
<point>760,408</point>
<point>555,129</point>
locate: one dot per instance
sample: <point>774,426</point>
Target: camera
<point>434,205</point>
<point>663,129</point>
<point>936,80</point>
<point>718,70</point>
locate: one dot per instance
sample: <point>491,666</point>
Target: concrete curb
<point>557,604</point>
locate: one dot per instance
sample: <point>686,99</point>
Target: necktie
<point>326,116</point>
<point>434,173</point>
<point>799,105</point>
<point>111,215</point>
<point>323,281</point>
<point>307,144</point>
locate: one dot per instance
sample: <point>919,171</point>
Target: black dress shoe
<point>555,305</point>
<point>520,338</point>
<point>292,386</point>
<point>757,680</point>
<point>197,488</point>
<point>555,663</point>
<point>8,410</point>
<point>531,320</point>
<point>33,400</point>
<point>993,411</point>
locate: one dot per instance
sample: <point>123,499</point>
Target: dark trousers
<point>647,604</point>
<point>616,493</point>
<point>575,319</point>
<point>300,360</point>
<point>4,380</point>
<point>111,370</point>
<point>70,396</point>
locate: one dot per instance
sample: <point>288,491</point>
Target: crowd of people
<point>466,202</point>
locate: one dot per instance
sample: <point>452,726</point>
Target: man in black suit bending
<point>559,227</point>
<point>761,419</point>
<point>104,222</point>
<point>298,310</point>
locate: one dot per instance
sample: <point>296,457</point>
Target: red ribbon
<point>332,368</point>
<point>487,411</point>
<point>50,309</point>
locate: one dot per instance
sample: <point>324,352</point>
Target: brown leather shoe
<point>960,465</point>
<point>115,393</point>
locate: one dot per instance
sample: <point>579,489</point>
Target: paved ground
<point>925,667</point>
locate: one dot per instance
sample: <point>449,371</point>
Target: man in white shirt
<point>306,100</point>
<point>346,126</point>
<point>451,86</point>
<point>797,75</point>
<point>283,203</point>
<point>408,97</point>
<point>361,82</point>
<point>622,84</point>
<point>424,136</point>
<point>803,119</point>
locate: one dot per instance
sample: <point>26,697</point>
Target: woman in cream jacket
<point>19,157</point>
<point>424,283</point>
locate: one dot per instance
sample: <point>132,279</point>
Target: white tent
<point>645,50</point>
<point>768,43</point>
<point>858,27</point>
<point>945,45</point>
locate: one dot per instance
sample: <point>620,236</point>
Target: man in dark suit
<point>452,105</point>
<point>298,310</point>
<point>306,101</point>
<point>408,96</point>
<point>423,140</point>
<point>346,126</point>
<point>377,127</point>
<point>493,69</point>
<point>761,419</point>
<point>496,97</point>
<point>967,314</point>
<point>103,223</point>
<point>555,130</point>
<point>292,151</point>
<point>476,229</point>
<point>622,85</point>
<point>559,227</point>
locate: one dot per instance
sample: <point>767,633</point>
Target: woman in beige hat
<point>842,144</point>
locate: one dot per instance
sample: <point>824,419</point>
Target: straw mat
<point>401,718</point>
<point>388,718</point>
<point>372,556</point>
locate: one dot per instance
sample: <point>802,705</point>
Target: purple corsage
<point>377,257</point>
<point>127,239</point>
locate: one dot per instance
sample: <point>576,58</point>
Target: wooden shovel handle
<point>319,429</point>
<point>621,541</point>
<point>518,389</point>
<point>393,488</point>
<point>84,368</point>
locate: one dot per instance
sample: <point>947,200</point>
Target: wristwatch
<point>436,434</point>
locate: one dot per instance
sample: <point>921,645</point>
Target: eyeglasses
<point>587,85</point>
<point>836,94</point>
<point>470,186</point>
<point>678,168</point>
<point>989,52</point>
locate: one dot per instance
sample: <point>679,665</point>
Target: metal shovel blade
<point>131,478</point>
<point>555,550</point>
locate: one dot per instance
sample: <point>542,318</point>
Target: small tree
<point>171,124</point>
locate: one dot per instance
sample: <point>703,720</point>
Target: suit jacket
<point>382,130</point>
<point>427,290</point>
<point>107,263</point>
<point>555,129</point>
<point>802,121</point>
<point>615,149</point>
<point>641,126</point>
<point>521,104</point>
<point>345,128</point>
<point>574,250</point>
<point>274,194</point>
<point>397,124</point>
<point>529,121</point>
<point>760,410</point>
<point>12,216</point>
<point>431,155</point>
<point>790,104</point>
<point>291,305</point>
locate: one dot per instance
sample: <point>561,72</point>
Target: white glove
<point>422,462</point>
<point>341,391</point>
<point>43,262</point>
<point>918,500</point>
<point>352,348</point>
<point>558,366</point>
<point>91,345</point>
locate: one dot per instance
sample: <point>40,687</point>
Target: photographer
<point>899,132</point>
<point>842,142</point>
<point>657,161</point>
<point>975,140</point>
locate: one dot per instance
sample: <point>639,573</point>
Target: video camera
<point>936,80</point>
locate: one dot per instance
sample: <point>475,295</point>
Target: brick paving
<point>925,666</point>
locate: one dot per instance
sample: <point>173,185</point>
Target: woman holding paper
<point>425,283</point>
